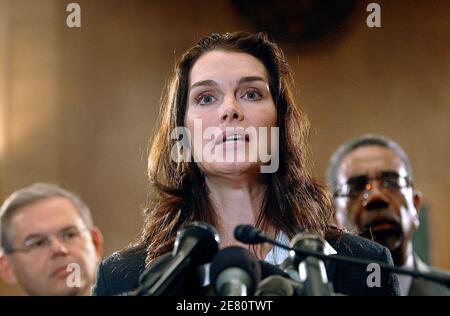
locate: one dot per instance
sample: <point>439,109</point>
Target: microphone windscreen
<point>235,257</point>
<point>275,285</point>
<point>247,234</point>
<point>207,241</point>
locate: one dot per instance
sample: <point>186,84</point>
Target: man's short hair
<point>364,140</point>
<point>29,195</point>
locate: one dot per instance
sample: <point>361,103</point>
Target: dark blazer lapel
<point>330,266</point>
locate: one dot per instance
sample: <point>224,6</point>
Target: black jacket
<point>120,272</point>
<point>421,287</point>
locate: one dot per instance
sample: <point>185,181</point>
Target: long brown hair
<point>294,199</point>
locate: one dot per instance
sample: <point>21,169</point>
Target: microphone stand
<point>440,278</point>
<point>311,269</point>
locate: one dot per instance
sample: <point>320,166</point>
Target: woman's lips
<point>235,141</point>
<point>232,137</point>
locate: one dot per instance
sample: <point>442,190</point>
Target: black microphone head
<point>207,242</point>
<point>248,234</point>
<point>240,259</point>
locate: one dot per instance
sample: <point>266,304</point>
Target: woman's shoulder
<point>356,246</point>
<point>131,256</point>
<point>120,272</point>
<point>352,279</point>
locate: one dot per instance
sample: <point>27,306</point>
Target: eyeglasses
<point>389,181</point>
<point>37,244</point>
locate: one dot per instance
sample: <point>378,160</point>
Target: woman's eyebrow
<point>250,79</point>
<point>208,83</point>
<point>212,83</point>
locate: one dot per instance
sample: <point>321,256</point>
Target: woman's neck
<point>236,202</point>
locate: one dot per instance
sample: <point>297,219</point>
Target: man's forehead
<point>45,215</point>
<point>371,161</point>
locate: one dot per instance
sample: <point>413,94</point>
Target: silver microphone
<point>311,270</point>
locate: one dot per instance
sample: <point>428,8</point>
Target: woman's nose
<point>231,110</point>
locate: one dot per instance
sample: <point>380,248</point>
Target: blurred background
<point>78,105</point>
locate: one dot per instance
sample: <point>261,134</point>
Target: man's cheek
<point>398,204</point>
<point>359,213</point>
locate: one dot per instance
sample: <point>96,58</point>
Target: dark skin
<point>387,215</point>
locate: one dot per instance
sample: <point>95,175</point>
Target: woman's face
<point>230,113</point>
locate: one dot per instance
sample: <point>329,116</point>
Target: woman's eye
<point>205,99</point>
<point>252,95</point>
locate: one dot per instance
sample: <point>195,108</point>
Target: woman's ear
<point>6,270</point>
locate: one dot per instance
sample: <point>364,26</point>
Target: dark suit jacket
<point>421,287</point>
<point>120,272</point>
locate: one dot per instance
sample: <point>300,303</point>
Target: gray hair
<point>31,194</point>
<point>364,140</point>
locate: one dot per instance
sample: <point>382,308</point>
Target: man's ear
<point>97,239</point>
<point>417,200</point>
<point>6,270</point>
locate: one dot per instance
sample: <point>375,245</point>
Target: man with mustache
<point>49,245</point>
<point>372,184</point>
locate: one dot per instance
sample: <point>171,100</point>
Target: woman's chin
<point>231,168</point>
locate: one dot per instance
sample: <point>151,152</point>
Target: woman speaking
<point>243,159</point>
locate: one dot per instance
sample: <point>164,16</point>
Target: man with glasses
<point>49,245</point>
<point>372,183</point>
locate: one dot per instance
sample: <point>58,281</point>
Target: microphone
<point>268,269</point>
<point>250,235</point>
<point>312,271</point>
<point>195,245</point>
<point>235,272</point>
<point>276,285</point>
<point>288,266</point>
